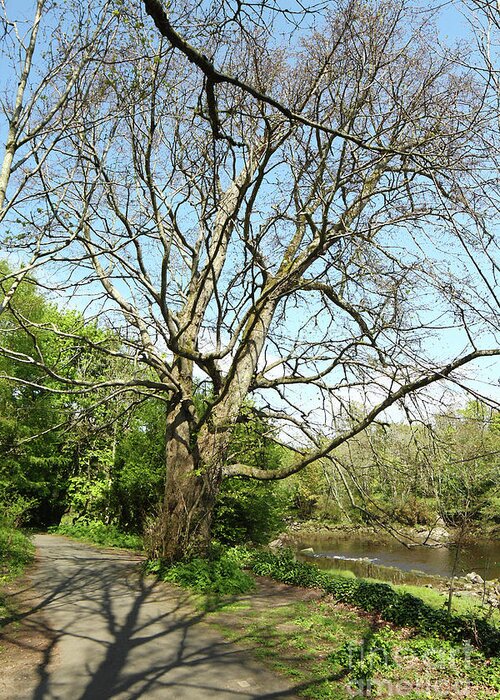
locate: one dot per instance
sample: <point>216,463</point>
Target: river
<point>482,557</point>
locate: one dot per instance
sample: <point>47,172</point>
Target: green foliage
<point>468,464</point>
<point>283,567</point>
<point>16,549</point>
<point>248,510</point>
<point>402,609</point>
<point>441,651</point>
<point>139,467</point>
<point>363,661</point>
<point>16,552</point>
<point>14,508</point>
<point>88,496</point>
<point>307,492</point>
<point>411,474</point>
<point>484,671</point>
<point>416,511</point>
<point>39,469</point>
<point>455,659</point>
<point>99,533</point>
<point>218,575</point>
<point>490,511</point>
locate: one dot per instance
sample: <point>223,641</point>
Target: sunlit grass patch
<point>332,652</point>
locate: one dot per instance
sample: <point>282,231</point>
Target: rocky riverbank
<point>437,535</point>
<point>474,585</point>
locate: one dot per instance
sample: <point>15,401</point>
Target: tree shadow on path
<point>116,634</point>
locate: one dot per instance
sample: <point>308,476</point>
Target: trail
<point>114,634</point>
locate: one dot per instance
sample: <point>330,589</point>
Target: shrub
<point>220,575</point>
<point>248,511</point>
<point>16,552</point>
<point>402,609</point>
<point>99,533</point>
<point>16,549</point>
<point>14,508</point>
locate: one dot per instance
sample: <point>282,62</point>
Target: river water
<point>482,557</point>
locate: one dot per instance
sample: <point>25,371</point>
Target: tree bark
<point>193,477</point>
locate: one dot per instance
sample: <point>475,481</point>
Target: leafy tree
<point>50,442</point>
<point>31,468</point>
<point>139,467</point>
<point>247,510</point>
<point>467,459</point>
<point>414,474</point>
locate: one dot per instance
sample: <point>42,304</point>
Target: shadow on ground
<point>114,634</point>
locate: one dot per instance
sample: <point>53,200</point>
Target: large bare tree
<point>300,226</point>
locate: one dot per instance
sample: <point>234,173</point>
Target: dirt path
<point>94,629</point>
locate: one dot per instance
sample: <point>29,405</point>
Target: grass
<point>98,532</point>
<point>16,552</point>
<point>316,644</point>
<point>463,605</point>
<point>394,606</point>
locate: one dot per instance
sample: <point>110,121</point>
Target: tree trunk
<point>193,478</point>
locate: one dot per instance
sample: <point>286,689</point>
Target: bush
<point>248,511</point>
<point>16,549</point>
<point>220,575</point>
<point>402,609</point>
<point>16,552</point>
<point>14,508</point>
<point>99,533</point>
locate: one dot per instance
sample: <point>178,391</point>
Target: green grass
<point>316,644</point>
<point>98,532</point>
<point>343,573</point>
<point>295,639</point>
<point>397,607</point>
<point>16,552</point>
<point>463,605</point>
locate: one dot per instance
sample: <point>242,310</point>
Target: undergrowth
<point>16,552</point>
<point>16,549</point>
<point>220,574</point>
<point>98,532</point>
